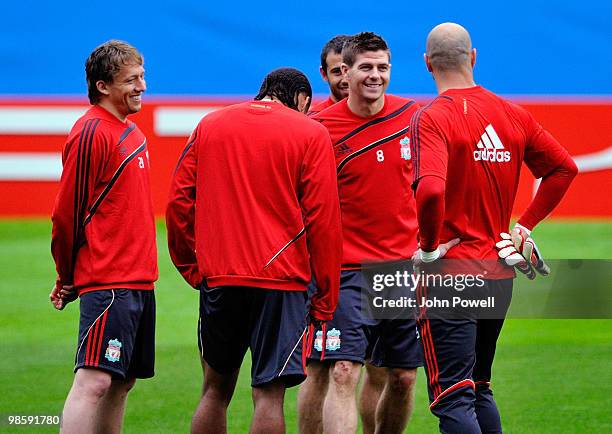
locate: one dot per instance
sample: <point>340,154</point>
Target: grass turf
<point>550,376</point>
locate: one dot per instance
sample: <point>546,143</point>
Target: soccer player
<point>369,131</point>
<point>310,399</point>
<point>331,72</point>
<point>468,147</point>
<point>253,215</point>
<point>103,243</point>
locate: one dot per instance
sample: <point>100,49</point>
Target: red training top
<point>476,142</point>
<point>374,171</point>
<point>103,226</point>
<point>254,178</point>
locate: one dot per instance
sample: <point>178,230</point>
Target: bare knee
<point>402,380</point>
<point>317,374</point>
<point>376,376</point>
<point>272,393</point>
<point>217,386</point>
<point>122,387</point>
<point>91,383</point>
<point>345,374</point>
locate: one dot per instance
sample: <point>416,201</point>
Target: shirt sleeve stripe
<point>186,150</point>
<point>416,144</point>
<point>77,190</point>
<point>82,186</point>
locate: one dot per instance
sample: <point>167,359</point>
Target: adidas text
<point>490,147</point>
<point>493,156</point>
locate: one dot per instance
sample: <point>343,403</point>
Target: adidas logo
<point>490,147</point>
<point>343,149</point>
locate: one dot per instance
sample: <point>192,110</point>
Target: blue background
<point>226,48</point>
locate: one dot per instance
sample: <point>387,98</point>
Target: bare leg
<point>268,401</point>
<point>373,385</point>
<point>211,414</point>
<point>396,402</point>
<point>340,408</point>
<point>311,397</point>
<point>111,408</point>
<point>88,388</point>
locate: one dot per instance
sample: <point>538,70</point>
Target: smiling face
<point>369,76</point>
<point>123,96</point>
<point>338,86</point>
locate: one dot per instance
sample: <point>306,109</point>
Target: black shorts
<point>271,323</point>
<point>353,335</point>
<point>459,345</point>
<point>117,333</point>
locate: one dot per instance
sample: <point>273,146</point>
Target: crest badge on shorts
<point>405,148</point>
<point>318,342</point>
<point>113,351</point>
<point>333,340</point>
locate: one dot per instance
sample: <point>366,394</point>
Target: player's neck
<point>106,105</point>
<point>453,80</point>
<point>365,108</point>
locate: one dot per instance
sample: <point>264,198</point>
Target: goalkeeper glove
<point>526,246</point>
<point>519,250</point>
<point>511,257</point>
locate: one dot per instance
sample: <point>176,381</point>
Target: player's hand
<point>419,257</point>
<point>316,323</point>
<point>61,295</point>
<point>511,257</point>
<point>526,246</point>
<point>68,293</point>
<point>55,298</point>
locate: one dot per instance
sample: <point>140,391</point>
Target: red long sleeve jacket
<point>254,202</point>
<point>103,226</point>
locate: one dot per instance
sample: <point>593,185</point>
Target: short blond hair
<point>105,62</point>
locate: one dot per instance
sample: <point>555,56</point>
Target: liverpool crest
<point>333,340</point>
<point>113,351</point>
<point>405,148</point>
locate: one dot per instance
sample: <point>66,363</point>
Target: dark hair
<point>285,84</point>
<point>105,62</point>
<point>360,43</point>
<point>335,44</point>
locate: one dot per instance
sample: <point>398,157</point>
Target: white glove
<point>519,250</point>
<point>526,246</point>
<point>512,258</point>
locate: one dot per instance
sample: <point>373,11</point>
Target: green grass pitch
<point>550,376</point>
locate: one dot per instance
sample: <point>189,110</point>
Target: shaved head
<point>449,47</point>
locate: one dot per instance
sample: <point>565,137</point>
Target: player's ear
<point>323,73</point>
<point>473,57</point>
<point>306,106</point>
<point>102,87</point>
<point>427,63</point>
<point>303,102</point>
<point>344,68</point>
